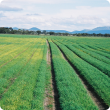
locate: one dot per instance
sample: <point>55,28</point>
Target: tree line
<point>9,30</point>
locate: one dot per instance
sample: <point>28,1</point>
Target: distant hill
<point>34,29</point>
<point>15,28</point>
<point>83,31</point>
<point>58,31</point>
<point>102,30</point>
<point>31,29</point>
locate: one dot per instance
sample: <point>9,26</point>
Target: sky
<point>67,15</point>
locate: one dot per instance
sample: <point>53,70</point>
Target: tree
<point>66,34</point>
<point>44,32</point>
<point>94,34</point>
<point>51,33</point>
<point>38,32</point>
<point>79,34</point>
<point>19,31</point>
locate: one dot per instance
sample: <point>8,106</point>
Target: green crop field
<point>78,70</point>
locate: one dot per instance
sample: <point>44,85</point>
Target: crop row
<point>99,51</point>
<point>12,53</point>
<point>95,44</point>
<point>98,81</point>
<point>19,45</point>
<point>92,53</point>
<point>9,71</point>
<point>39,90</point>
<point>5,48</point>
<point>103,49</point>
<point>71,91</point>
<point>21,95</point>
<point>104,67</point>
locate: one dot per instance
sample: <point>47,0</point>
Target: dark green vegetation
<point>72,93</point>
<point>25,74</point>
<point>98,80</point>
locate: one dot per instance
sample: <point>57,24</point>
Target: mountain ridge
<point>97,30</point>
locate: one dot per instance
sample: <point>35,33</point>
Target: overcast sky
<point>67,15</point>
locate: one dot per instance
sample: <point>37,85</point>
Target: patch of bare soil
<point>49,101</point>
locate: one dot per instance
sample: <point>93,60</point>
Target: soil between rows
<point>49,101</point>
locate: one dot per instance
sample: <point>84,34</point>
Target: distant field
<point>54,72</point>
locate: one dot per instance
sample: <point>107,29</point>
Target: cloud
<point>85,11</point>
<point>78,23</point>
<point>42,1</point>
<point>2,15</point>
<point>82,17</point>
<point>7,8</point>
<point>70,20</point>
<point>34,14</point>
